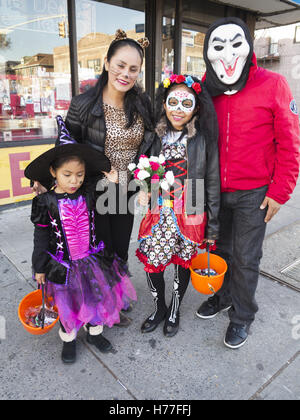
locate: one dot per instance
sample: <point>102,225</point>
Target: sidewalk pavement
<point>193,365</point>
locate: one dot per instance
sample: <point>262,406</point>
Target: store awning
<point>270,13</point>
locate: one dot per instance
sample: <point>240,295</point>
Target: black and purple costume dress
<point>87,284</point>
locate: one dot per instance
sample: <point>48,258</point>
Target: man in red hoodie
<point>259,164</point>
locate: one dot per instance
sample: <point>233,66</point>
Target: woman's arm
<point>73,121</point>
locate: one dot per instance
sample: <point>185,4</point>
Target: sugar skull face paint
<point>228,50</point>
<point>181,100</point>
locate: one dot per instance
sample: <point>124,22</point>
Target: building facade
<point>51,50</point>
<point>279,51</point>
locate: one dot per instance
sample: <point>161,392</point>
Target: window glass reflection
<point>97,23</point>
<point>168,30</point>
<point>192,61</point>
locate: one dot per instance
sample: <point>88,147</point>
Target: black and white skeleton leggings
<point>156,285</point>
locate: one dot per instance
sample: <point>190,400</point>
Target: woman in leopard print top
<point>115,117</point>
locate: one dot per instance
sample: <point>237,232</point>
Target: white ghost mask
<point>228,51</point>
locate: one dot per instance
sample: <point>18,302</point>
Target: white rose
<point>142,175</point>
<point>140,166</point>
<point>161,159</point>
<point>164,185</point>
<point>154,159</point>
<point>145,162</point>
<point>170,177</point>
<point>132,167</point>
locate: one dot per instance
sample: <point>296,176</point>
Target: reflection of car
<point>87,84</point>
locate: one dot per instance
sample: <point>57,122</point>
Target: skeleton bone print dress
<point>162,238</point>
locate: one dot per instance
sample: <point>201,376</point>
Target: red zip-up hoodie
<point>259,136</point>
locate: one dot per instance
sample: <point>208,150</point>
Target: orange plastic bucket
<point>31,300</point>
<point>204,284</point>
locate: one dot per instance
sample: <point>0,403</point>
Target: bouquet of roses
<point>150,173</point>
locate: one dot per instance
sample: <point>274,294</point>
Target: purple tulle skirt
<point>94,293</point>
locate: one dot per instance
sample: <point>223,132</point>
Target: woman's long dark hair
<point>137,102</point>
<point>205,111</point>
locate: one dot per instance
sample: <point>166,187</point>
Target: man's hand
<point>273,208</point>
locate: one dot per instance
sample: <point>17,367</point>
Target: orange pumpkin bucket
<point>32,300</point>
<point>208,285</point>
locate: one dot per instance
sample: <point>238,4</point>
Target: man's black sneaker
<point>211,308</point>
<point>236,335</point>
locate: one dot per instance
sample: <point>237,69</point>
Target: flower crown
<point>121,35</point>
<point>179,79</point>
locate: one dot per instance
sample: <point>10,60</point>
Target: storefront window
<point>192,61</point>
<point>168,39</point>
<point>34,81</point>
<point>97,23</point>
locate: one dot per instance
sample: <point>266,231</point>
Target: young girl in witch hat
<point>88,287</point>
<point>172,231</point>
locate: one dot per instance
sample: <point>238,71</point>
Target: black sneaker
<point>68,354</point>
<point>211,308</point>
<point>236,335</point>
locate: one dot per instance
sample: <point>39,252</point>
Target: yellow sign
<point>14,187</point>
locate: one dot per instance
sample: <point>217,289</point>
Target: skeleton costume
<point>169,243</point>
<point>258,135</point>
<point>88,286</point>
<point>171,233</point>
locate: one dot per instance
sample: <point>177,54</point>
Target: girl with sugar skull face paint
<point>171,233</point>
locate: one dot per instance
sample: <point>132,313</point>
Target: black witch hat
<point>95,161</point>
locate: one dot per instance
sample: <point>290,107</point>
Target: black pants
<point>115,230</point>
<point>242,231</point>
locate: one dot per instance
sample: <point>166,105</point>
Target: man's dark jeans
<point>242,232</point>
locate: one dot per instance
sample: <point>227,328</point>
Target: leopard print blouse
<point>121,143</point>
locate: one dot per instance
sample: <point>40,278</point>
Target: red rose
<point>173,78</point>
<point>197,87</point>
<point>155,179</point>
<point>180,79</point>
<point>155,166</point>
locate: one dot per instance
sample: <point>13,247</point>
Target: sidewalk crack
<point>275,376</point>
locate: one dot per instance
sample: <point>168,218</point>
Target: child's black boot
<point>68,354</point>
<point>95,337</point>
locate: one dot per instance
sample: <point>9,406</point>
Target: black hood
<point>213,83</point>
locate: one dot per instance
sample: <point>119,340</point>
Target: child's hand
<point>38,188</point>
<point>112,176</point>
<point>208,241</point>
<point>40,278</point>
<point>143,198</point>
